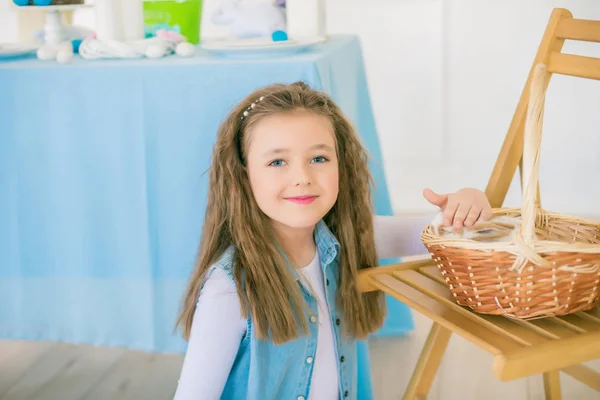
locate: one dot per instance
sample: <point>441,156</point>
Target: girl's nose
<point>302,175</point>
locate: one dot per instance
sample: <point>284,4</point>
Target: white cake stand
<point>54,29</point>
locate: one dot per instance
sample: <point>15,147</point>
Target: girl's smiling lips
<point>305,199</point>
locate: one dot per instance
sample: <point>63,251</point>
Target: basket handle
<point>531,152</point>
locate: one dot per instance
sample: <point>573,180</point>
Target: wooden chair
<point>520,348</point>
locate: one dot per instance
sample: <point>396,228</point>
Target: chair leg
<point>552,385</point>
<point>429,362</point>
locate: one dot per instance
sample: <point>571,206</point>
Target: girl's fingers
<point>460,215</point>
<point>474,214</point>
<point>486,214</point>
<point>449,212</point>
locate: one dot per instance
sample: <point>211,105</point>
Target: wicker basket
<point>523,263</point>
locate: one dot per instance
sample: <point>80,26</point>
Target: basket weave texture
<point>524,263</point>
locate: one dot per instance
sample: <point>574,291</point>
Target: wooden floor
<point>55,371</point>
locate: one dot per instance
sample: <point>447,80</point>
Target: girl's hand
<point>463,208</point>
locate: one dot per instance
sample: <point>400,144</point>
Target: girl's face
<point>293,168</point>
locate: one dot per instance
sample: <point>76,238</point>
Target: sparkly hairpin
<point>247,111</point>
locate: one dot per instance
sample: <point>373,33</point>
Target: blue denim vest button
<point>309,360</point>
<point>300,397</point>
<point>313,319</point>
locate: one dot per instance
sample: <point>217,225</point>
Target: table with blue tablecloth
<point>103,184</point>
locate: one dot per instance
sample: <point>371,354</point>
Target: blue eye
<point>320,159</point>
<point>276,163</point>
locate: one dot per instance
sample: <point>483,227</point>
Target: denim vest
<point>265,371</point>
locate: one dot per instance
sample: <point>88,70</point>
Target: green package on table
<point>181,16</point>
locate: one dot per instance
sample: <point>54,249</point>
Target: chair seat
<point>520,348</point>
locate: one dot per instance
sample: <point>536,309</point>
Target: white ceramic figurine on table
<point>250,20</point>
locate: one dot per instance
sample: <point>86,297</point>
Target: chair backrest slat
<point>574,65</point>
<point>579,29</point>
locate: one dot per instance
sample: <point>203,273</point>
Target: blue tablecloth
<point>102,184</point>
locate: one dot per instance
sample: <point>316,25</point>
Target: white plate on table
<point>13,50</point>
<point>260,46</point>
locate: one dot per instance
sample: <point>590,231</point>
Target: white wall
<point>445,78</point>
<point>8,23</point>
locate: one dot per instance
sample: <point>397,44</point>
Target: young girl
<point>272,310</point>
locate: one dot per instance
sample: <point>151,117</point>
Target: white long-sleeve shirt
<point>218,326</point>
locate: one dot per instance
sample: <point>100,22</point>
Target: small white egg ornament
<point>65,54</point>
<point>64,57</point>
<point>156,50</point>
<point>47,53</point>
<point>185,49</point>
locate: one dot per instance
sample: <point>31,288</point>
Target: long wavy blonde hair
<point>267,290</point>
